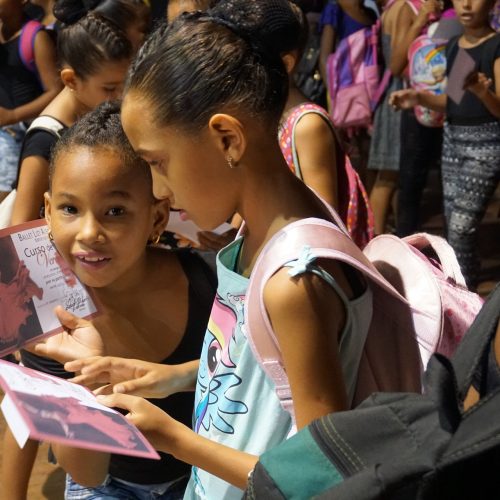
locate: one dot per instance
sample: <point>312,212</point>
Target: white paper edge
<point>15,421</point>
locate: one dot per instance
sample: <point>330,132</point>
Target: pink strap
<point>27,44</point>
<point>329,242</point>
<point>445,253</point>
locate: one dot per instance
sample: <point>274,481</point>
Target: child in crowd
<point>420,145</point>
<point>471,147</point>
<point>213,155</point>
<point>398,23</point>
<point>24,91</point>
<point>155,303</point>
<point>94,55</point>
<point>339,19</point>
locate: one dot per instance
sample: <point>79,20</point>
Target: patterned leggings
<point>471,171</point>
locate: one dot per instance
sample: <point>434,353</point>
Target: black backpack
<point>403,445</point>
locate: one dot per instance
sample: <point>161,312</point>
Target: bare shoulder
<point>313,127</point>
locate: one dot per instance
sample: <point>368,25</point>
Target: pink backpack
<point>26,46</point>
<point>354,207</point>
<point>354,78</point>
<point>415,298</point>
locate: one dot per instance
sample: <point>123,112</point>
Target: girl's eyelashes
<point>116,211</point>
<point>67,209</point>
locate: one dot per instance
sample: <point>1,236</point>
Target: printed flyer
<point>33,280</point>
<point>46,408</point>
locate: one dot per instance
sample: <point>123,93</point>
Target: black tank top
<point>202,288</point>
<point>18,85</point>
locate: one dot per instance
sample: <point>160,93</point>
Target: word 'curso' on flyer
<point>34,279</point>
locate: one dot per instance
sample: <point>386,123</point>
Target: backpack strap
<point>444,252</point>
<point>324,240</point>
<point>27,44</point>
<point>46,123</point>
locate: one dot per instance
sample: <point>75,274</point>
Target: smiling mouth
<point>92,261</point>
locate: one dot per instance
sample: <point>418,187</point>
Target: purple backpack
<point>420,304</point>
<point>353,78</point>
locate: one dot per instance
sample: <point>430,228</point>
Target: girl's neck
<point>66,107</point>
<point>10,27</point>
<point>474,36</point>
<point>295,98</point>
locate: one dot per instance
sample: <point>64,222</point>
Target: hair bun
<point>71,11</point>
<point>259,22</point>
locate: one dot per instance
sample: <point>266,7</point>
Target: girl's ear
<point>48,207</point>
<point>161,213</point>
<point>69,78</point>
<point>289,61</point>
<point>228,134</point>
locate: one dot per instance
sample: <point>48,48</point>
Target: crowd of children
<point>201,114</point>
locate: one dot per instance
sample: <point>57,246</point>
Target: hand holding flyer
<point>51,409</point>
<point>33,280</point>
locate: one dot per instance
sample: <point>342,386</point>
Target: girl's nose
<point>91,231</point>
<point>160,188</point>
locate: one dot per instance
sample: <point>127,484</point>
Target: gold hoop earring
<point>51,237</point>
<point>155,240</point>
<point>230,161</point>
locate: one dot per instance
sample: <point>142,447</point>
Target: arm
<point>408,27</point>
<point>409,98</point>
<point>480,86</point>
<point>326,48</point>
<point>170,436</point>
<point>33,182</point>
<point>316,150</point>
<point>45,57</point>
<point>307,330</point>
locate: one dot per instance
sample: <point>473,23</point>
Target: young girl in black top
<point>471,148</point>
<point>155,303</point>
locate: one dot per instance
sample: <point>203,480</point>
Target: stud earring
<point>51,237</point>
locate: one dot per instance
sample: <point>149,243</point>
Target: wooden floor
<point>47,481</point>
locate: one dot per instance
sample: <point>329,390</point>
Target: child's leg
<point>421,148</point>
<point>381,197</point>
<point>17,465</point>
<point>476,177</point>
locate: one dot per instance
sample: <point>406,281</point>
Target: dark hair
<point>100,128</point>
<point>122,13</point>
<point>279,27</point>
<point>87,39</point>
<point>203,63</point>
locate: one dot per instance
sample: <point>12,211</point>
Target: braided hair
<point>204,63</point>
<point>87,39</point>
<point>100,128</point>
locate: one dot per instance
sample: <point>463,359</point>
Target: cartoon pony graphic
<point>214,379</point>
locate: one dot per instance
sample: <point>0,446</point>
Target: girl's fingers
<point>68,320</point>
<point>122,401</point>
<point>79,364</point>
<point>137,387</point>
